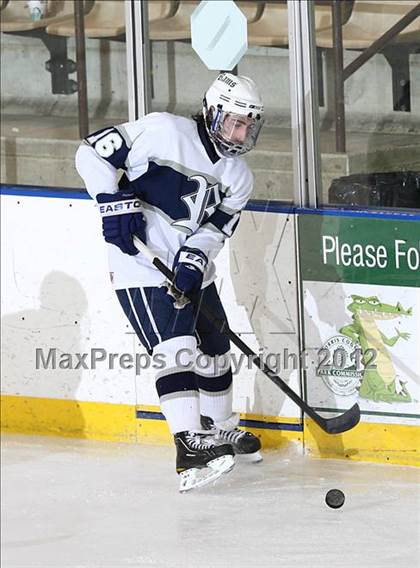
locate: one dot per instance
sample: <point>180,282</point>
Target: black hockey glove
<point>189,265</point>
<point>121,219</point>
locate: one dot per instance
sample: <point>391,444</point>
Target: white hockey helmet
<point>233,114</point>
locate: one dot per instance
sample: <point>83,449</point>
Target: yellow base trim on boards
<point>70,418</point>
<point>384,443</point>
<point>106,421</point>
<point>368,441</point>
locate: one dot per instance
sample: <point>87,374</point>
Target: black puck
<point>334,498</point>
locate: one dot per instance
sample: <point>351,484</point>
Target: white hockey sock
<point>176,384</point>
<point>214,377</point>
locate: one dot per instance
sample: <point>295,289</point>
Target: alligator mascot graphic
<point>379,383</point>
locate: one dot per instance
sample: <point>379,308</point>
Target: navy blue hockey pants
<point>196,377</point>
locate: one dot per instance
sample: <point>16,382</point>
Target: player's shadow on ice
<point>47,403</point>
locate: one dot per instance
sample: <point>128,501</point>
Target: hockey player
<point>182,193</point>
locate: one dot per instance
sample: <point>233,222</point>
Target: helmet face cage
<point>233,113</point>
<point>233,134</point>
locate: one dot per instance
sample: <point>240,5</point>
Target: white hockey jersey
<point>190,195</point>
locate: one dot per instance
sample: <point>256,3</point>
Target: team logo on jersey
<point>200,204</point>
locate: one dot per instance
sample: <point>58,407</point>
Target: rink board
<point>73,309</point>
<point>360,281</point>
<point>57,295</point>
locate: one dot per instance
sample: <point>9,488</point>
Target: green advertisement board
<point>360,281</point>
<point>358,249</point>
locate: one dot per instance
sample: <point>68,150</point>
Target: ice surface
<point>77,503</point>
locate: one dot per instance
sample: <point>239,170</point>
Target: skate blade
<point>256,457</point>
<point>195,477</point>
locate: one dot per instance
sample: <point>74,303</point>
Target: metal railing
<point>341,73</point>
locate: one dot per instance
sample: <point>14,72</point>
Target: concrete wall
<point>180,78</point>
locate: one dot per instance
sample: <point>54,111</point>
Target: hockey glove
<point>189,265</point>
<point>121,219</point>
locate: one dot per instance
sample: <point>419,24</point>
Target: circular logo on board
<point>340,366</point>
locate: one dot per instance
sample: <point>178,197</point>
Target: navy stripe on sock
<point>215,384</point>
<point>178,382</point>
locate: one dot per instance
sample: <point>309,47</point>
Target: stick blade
<point>344,422</point>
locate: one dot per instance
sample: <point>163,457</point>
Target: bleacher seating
<point>369,20</point>
<point>16,20</point>
<point>364,21</point>
<point>271,29</point>
<point>178,27</point>
<point>15,15</point>
<point>107,19</point>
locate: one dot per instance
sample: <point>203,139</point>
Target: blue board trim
<point>280,207</point>
<point>40,191</point>
<point>399,214</point>
<point>263,206</point>
<point>149,415</point>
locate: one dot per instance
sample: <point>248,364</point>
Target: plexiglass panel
<point>370,110</point>
<point>41,110</point>
<point>180,79</point>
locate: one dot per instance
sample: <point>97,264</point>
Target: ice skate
<point>200,460</point>
<point>246,445</point>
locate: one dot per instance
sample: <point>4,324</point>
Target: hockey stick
<point>346,421</point>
